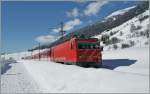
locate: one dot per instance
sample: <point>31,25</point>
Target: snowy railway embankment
<point>124,71</point>
<point>16,79</point>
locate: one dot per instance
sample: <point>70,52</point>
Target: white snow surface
<point>16,79</point>
<point>120,12</point>
<point>124,71</point>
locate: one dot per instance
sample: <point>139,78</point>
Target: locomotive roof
<point>87,38</point>
<point>75,38</point>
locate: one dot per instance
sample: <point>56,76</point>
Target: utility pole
<point>4,55</point>
<point>39,52</point>
<point>31,53</point>
<point>25,56</point>
<point>18,56</point>
<point>61,29</point>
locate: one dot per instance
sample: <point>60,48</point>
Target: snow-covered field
<point>124,71</point>
<point>16,79</point>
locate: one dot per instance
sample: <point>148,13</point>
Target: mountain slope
<point>134,32</point>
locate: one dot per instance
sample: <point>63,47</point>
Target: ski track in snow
<point>17,80</point>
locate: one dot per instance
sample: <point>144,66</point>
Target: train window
<point>80,46</point>
<point>88,45</point>
<point>94,46</point>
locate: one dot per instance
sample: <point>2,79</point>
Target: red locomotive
<point>79,51</point>
<point>82,52</point>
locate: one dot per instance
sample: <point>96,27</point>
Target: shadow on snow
<point>5,65</point>
<point>114,63</point>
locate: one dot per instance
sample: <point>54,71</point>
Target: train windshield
<point>88,45</point>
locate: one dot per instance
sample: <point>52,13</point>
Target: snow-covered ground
<point>133,60</point>
<point>124,71</point>
<point>16,79</point>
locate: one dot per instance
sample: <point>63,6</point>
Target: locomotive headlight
<point>80,56</point>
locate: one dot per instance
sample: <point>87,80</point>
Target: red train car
<point>83,52</point>
<point>45,55</point>
<point>36,56</point>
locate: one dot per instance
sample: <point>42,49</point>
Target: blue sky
<point>26,23</point>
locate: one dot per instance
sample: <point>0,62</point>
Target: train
<point>77,51</point>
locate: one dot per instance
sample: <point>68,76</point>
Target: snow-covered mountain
<point>133,33</point>
<point>119,12</point>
